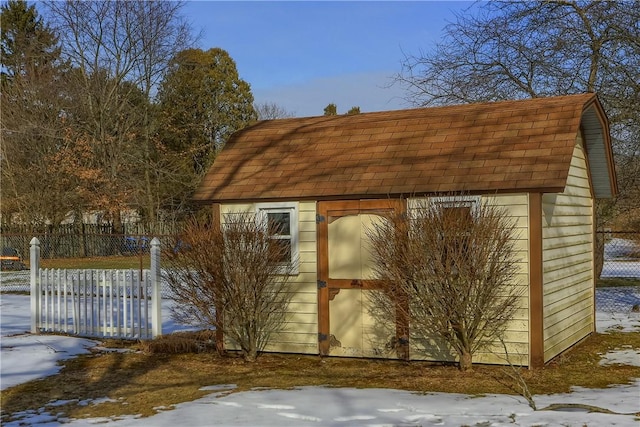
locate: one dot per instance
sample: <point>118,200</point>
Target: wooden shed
<point>545,160</point>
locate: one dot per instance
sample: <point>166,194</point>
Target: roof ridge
<point>496,103</point>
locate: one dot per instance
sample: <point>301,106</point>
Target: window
<point>457,221</point>
<point>282,220</point>
<point>459,203</point>
<point>449,219</point>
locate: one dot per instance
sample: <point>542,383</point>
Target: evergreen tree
<point>202,101</point>
<point>29,47</point>
<point>331,110</point>
<point>34,103</point>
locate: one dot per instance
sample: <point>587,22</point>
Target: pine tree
<point>33,107</point>
<point>202,101</point>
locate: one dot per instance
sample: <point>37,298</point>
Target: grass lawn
<point>111,262</point>
<point>617,282</point>
<point>141,380</point>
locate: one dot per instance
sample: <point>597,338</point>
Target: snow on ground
<point>27,357</point>
<point>24,357</point>
<point>617,322</point>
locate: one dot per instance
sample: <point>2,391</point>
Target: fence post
<point>34,263</point>
<point>156,298</point>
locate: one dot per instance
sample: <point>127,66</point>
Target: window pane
<point>283,246</point>
<point>280,221</point>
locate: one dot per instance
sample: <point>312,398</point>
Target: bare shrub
<point>230,278</point>
<point>181,342</point>
<point>448,268</point>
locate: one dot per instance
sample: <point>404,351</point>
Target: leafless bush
<point>181,342</point>
<point>230,278</point>
<point>448,268</point>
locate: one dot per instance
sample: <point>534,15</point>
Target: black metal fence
<point>620,272</point>
<point>621,254</point>
<point>622,299</point>
<point>84,240</point>
<point>104,228</point>
<point>60,246</point>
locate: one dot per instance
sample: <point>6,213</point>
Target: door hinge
<point>319,218</point>
<point>322,284</point>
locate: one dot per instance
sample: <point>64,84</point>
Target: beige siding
<point>300,334</point>
<point>517,334</point>
<point>567,230</point>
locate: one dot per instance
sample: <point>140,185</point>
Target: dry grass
<point>181,342</point>
<point>141,381</point>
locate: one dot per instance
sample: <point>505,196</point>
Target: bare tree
<point>503,50</point>
<point>509,50</point>
<point>162,34</point>
<point>449,269</point>
<point>230,278</point>
<point>119,51</point>
<point>271,111</point>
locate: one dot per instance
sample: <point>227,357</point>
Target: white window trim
<point>473,202</point>
<point>284,207</point>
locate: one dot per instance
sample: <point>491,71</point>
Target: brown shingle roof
<point>509,146</point>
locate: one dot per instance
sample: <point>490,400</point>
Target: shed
<point>545,160</point>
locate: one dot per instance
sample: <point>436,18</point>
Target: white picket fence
<point>96,303</point>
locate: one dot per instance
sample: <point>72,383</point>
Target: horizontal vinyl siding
<point>568,260</point>
<point>566,232</point>
<point>517,333</point>
<point>300,332</point>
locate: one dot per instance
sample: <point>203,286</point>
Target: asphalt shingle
<point>510,146</point>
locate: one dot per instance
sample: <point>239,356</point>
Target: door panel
<point>344,247</point>
<point>346,277</point>
<point>345,312</point>
<point>367,222</point>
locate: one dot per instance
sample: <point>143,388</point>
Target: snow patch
<point>218,387</point>
<point>281,407</point>
<point>354,418</point>
<point>628,356</point>
<point>299,417</point>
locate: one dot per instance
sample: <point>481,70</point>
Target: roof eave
<point>595,128</point>
<point>332,197</point>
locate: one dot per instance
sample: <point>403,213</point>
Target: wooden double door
<point>346,326</point>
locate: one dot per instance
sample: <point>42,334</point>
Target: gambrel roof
<point>509,146</point>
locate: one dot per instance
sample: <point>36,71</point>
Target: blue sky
<point>305,55</point>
